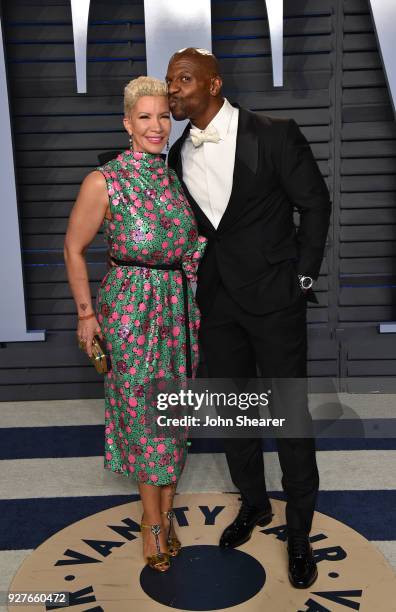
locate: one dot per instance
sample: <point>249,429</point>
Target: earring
<point>131,141</point>
<point>167,145</point>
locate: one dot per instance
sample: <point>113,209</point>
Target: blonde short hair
<point>142,86</point>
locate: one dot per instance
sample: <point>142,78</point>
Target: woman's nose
<point>156,125</point>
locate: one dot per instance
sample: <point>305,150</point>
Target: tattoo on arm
<point>83,306</point>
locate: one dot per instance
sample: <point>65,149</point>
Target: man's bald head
<point>194,86</point>
<point>202,57</point>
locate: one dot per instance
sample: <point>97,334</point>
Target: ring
<point>82,343</point>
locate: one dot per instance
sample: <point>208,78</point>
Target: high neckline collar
<point>145,158</point>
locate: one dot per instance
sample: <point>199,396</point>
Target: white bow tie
<point>210,134</point>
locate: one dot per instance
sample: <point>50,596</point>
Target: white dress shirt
<point>208,169</point>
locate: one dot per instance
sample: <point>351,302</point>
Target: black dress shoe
<point>241,529</point>
<point>302,565</point>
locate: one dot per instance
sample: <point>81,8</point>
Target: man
<point>243,174</point>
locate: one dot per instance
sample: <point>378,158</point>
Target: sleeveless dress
<point>141,310</point>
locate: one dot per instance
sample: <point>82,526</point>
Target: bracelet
<point>85,317</point>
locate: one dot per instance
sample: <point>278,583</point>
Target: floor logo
<point>99,561</point>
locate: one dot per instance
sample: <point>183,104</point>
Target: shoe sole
<point>262,523</point>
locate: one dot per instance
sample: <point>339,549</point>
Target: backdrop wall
<point>334,87</point>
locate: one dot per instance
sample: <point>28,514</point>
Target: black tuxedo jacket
<point>256,251</point>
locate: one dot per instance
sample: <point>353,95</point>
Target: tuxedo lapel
<point>178,147</point>
<point>199,214</point>
<point>245,168</point>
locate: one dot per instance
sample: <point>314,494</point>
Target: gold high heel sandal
<point>159,561</point>
<point>174,544</point>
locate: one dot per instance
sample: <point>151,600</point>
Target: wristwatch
<point>306,282</point>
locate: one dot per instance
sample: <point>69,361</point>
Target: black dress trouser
<point>234,343</point>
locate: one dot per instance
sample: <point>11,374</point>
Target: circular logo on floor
<point>99,562</point>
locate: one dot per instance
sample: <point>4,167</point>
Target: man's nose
<point>172,88</point>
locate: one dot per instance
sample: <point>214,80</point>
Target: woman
<point>145,310</point>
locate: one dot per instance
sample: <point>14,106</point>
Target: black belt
<point>139,264</point>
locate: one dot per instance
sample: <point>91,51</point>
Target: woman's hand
<point>86,330</point>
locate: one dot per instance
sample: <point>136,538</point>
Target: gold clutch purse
<point>99,357</point>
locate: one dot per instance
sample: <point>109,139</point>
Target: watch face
<point>306,282</point>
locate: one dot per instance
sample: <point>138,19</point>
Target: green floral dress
<point>141,310</point>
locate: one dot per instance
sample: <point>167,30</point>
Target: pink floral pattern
<point>140,310</point>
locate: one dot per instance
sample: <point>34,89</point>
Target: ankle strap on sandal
<point>155,529</point>
<point>170,515</point>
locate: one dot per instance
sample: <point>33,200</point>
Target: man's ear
<point>216,84</point>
